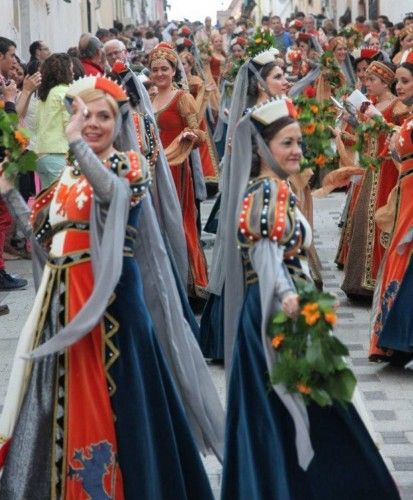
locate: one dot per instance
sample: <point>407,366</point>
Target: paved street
<point>386,393</point>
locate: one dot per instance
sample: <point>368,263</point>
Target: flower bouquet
<point>309,358</point>
<point>315,119</point>
<point>354,37</point>
<point>261,40</point>
<point>368,132</point>
<point>331,70</point>
<point>13,146</point>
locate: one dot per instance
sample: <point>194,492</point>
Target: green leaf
<point>279,318</point>
<point>321,397</point>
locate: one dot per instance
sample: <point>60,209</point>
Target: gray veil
<point>164,196</point>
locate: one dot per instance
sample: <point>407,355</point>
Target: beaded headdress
<point>365,53</point>
<point>382,71</point>
<point>97,83</point>
<point>163,51</point>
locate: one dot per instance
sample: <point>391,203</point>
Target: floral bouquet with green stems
<point>316,119</point>
<point>365,132</point>
<point>14,140</point>
<point>309,358</point>
<point>261,40</point>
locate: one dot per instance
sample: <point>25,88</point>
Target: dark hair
<point>55,70</point>
<point>118,26</point>
<point>360,19</point>
<point>253,90</point>
<point>33,47</point>
<point>73,52</point>
<point>408,66</point>
<point>102,33</point>
<point>267,133</point>
<point>265,19</point>
<point>33,66</point>
<point>149,34</point>
<point>89,46</point>
<point>78,69</point>
<point>5,44</point>
<point>114,31</point>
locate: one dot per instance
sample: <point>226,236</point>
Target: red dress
<point>216,66</point>
<point>179,114</point>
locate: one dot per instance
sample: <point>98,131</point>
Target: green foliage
<point>315,119</point>
<point>331,70</point>
<point>261,40</point>
<point>309,357</point>
<point>366,132</point>
<point>14,141</point>
<point>354,37</point>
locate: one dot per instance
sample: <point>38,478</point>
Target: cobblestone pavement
<point>386,393</point>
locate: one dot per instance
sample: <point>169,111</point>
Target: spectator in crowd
<point>204,34</point>
<point>52,117</point>
<point>283,39</point>
<point>115,50</point>
<point>8,92</point>
<point>150,41</point>
<point>104,35</point>
<point>39,51</point>
<point>408,19</point>
<point>265,21</point>
<point>91,55</point>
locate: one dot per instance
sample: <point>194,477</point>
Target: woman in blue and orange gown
<point>176,116</point>
<point>95,414</point>
<point>277,447</point>
<point>391,330</point>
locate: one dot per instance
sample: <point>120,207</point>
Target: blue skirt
<point>397,332</point>
<point>212,328</point>
<point>260,455</point>
<point>157,453</point>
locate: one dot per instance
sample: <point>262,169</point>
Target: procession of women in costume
<point>110,394</point>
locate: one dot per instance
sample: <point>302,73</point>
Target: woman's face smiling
<point>285,148</point>
<point>162,73</point>
<point>99,126</point>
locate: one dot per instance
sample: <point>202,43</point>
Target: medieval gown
<point>102,418</point>
<point>260,454</point>
<point>391,335</point>
<point>176,117</point>
<point>366,241</point>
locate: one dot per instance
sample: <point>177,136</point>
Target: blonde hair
<point>90,95</point>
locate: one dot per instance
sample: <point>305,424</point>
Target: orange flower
<point>21,138</point>
<point>1,104</point>
<point>330,317</point>
<point>309,129</point>
<point>303,388</point>
<point>314,108</point>
<point>258,41</point>
<point>311,313</point>
<point>320,160</point>
<point>277,340</point>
